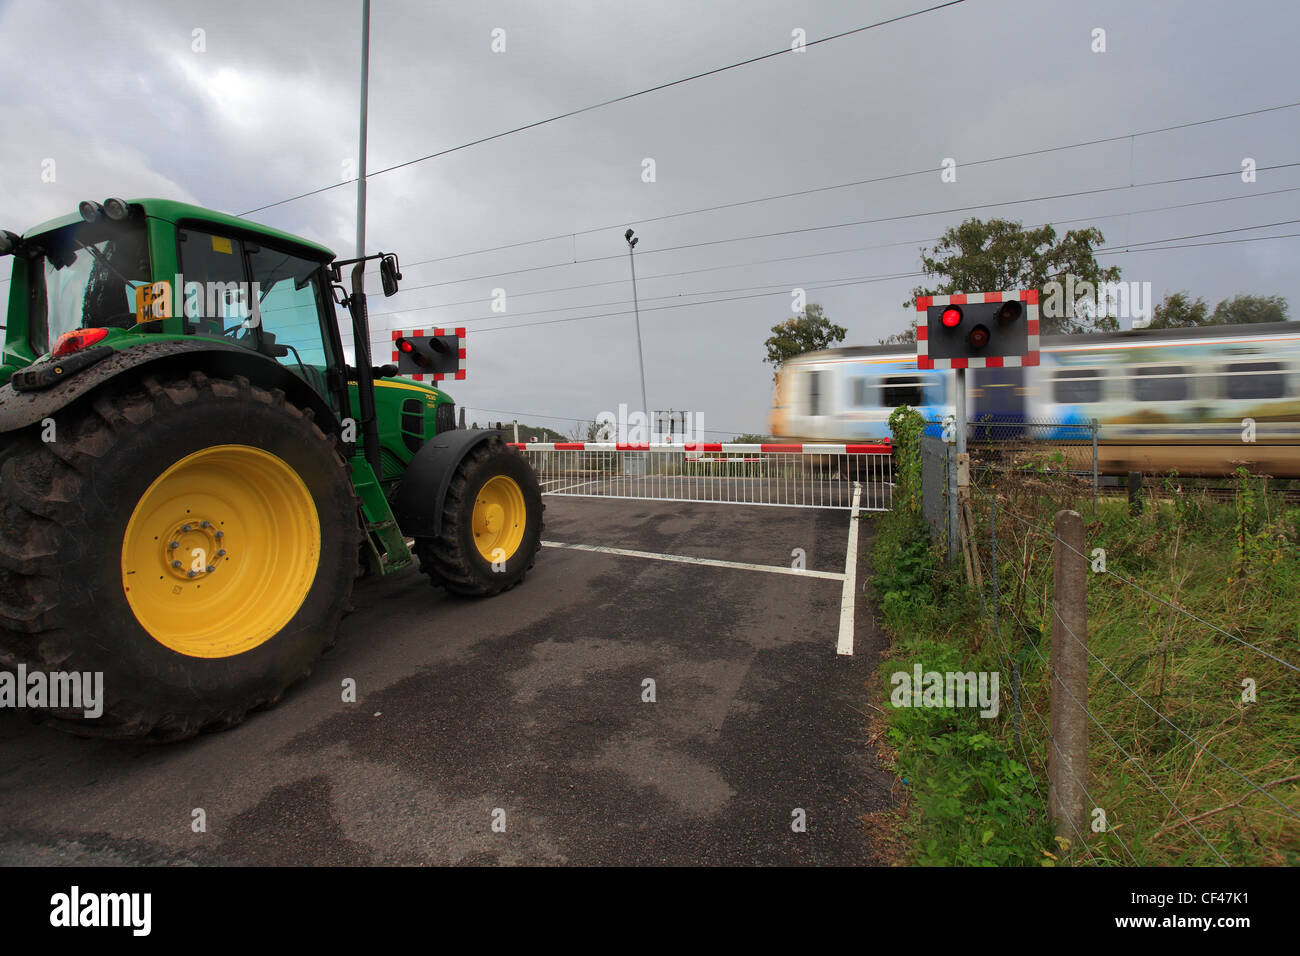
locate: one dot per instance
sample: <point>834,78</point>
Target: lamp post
<point>640,360</point>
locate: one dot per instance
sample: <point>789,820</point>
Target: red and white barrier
<point>882,448</point>
<point>799,475</point>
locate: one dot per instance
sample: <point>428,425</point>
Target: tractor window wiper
<point>107,263</point>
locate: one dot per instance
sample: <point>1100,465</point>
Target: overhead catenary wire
<point>811,255</point>
<point>929,170</point>
<point>846,225</point>
<point>610,102</point>
<point>736,298</point>
<point>835,252</point>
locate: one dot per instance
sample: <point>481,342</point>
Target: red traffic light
<point>979,337</point>
<point>405,345</point>
<point>951,317</point>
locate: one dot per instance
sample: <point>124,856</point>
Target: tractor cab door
<point>264,298</point>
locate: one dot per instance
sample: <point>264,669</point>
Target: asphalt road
<point>527,709</point>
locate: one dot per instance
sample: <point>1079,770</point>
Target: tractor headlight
<point>116,209</point>
<point>90,211</point>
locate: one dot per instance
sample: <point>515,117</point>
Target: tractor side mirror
<point>389,274</point>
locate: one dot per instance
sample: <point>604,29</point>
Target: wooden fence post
<point>1068,758</point>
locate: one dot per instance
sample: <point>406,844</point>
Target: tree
<point>905,337</point>
<point>1178,311</point>
<point>802,333</point>
<point>979,256</point>
<point>1244,309</point>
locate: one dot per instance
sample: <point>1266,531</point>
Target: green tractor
<point>192,476</point>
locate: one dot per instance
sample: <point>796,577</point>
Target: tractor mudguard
<point>418,504</point>
<point>21,409</point>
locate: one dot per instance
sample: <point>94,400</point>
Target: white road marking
<point>687,559</point>
<point>848,598</point>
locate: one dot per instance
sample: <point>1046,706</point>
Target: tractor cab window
<point>216,296</point>
<point>91,272</point>
<point>290,295</point>
<point>260,297</point>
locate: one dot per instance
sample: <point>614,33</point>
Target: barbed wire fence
<point>1157,734</point>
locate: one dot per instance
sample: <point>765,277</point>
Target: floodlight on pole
<point>632,240</point>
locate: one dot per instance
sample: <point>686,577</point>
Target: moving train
<point>1200,400</point>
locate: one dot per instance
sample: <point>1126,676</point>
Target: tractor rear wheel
<point>194,540</point>
<point>491,524</point>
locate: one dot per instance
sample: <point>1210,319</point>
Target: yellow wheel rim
<point>220,551</point>
<point>499,519</point>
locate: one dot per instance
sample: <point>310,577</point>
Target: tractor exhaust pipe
<point>365,368</point>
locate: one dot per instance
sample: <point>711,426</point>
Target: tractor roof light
<point>951,317</point>
<point>8,242</point>
<point>90,211</point>
<point>116,209</point>
<point>76,340</point>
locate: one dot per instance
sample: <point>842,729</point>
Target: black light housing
<point>8,242</point>
<point>427,354</point>
<point>1011,310</point>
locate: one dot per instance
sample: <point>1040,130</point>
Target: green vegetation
<point>809,332</point>
<point>1195,733</point>
<point>1180,311</point>
<point>970,802</point>
<point>1175,771</point>
<point>997,254</point>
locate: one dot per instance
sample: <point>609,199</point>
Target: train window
<point>1256,380</point>
<point>1160,383</point>
<point>903,390</point>
<point>862,397</point>
<point>815,393</point>
<point>1076,386</point>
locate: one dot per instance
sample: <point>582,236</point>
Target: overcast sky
<point>118,96</point>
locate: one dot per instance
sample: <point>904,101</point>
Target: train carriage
<point>1201,400</point>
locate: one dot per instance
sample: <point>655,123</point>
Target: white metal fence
<point>788,476</point>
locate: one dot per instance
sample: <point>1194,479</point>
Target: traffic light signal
<point>977,330</point>
<point>438,355</point>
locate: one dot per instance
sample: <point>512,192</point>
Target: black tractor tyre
<point>452,560</point>
<point>64,510</point>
